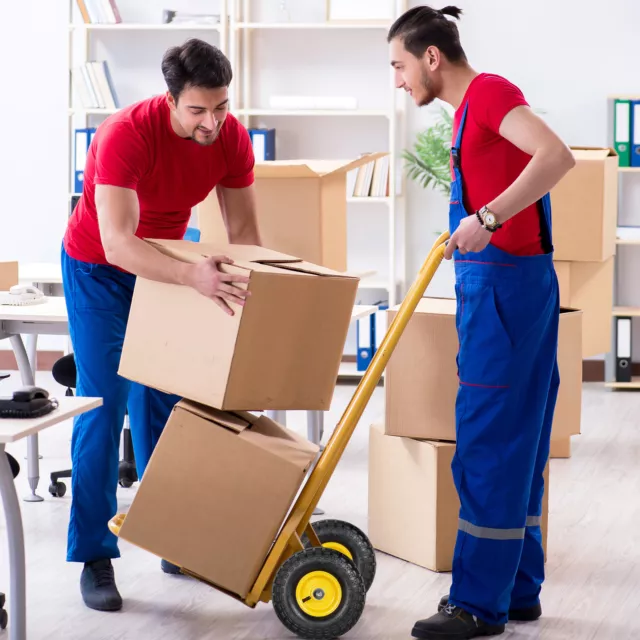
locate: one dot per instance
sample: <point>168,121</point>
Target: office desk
<point>12,430</point>
<point>48,318</point>
<point>47,276</point>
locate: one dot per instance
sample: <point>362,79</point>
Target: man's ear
<point>170,101</point>
<point>432,57</point>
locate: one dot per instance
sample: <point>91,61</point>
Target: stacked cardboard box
<point>8,275</point>
<point>302,208</point>
<point>221,479</point>
<point>584,205</point>
<point>418,441</point>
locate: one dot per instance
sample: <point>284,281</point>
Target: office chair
<point>64,373</point>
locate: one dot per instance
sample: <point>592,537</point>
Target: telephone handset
<point>27,402</point>
<point>20,295</point>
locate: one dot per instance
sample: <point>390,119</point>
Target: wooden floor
<point>592,590</point>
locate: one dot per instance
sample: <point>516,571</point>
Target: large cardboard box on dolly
<point>282,350</point>
<point>585,207</point>
<point>302,208</point>
<point>9,275</point>
<point>413,503</point>
<point>421,381</point>
<point>217,489</point>
<point>589,286</point>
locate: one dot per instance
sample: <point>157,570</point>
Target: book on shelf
<point>93,86</point>
<point>99,11</point>
<point>371,180</point>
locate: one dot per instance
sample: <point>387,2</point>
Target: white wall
<point>566,56</point>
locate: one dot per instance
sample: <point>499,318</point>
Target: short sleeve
<point>495,98</point>
<point>121,156</point>
<point>239,157</point>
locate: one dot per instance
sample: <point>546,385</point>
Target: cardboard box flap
<point>310,168</point>
<point>282,442</point>
<point>307,267</point>
<point>232,421</point>
<point>593,153</point>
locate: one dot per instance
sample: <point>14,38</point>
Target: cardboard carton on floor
<point>302,208</point>
<point>282,350</point>
<point>585,207</point>
<point>589,286</point>
<point>413,503</point>
<point>216,492</point>
<point>421,380</point>
<point>8,275</point>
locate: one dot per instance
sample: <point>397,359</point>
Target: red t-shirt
<point>138,149</point>
<point>490,163</point>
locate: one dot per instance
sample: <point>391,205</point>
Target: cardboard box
<point>589,286</point>
<point>560,447</point>
<point>282,350</point>
<point>8,275</point>
<point>216,492</point>
<point>413,503</point>
<point>302,209</point>
<point>584,207</point>
<point>421,380</point>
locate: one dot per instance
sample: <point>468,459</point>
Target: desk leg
<point>315,428</point>
<point>15,535</point>
<point>26,372</point>
<point>32,354</point>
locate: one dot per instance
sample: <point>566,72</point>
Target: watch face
<point>489,219</point>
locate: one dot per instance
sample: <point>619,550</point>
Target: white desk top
<point>362,311</point>
<point>42,272</point>
<point>53,310</point>
<point>13,429</point>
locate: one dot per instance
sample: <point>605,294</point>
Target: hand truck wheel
<point>349,540</point>
<point>318,593</point>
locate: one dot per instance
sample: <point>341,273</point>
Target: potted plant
<point>428,162</point>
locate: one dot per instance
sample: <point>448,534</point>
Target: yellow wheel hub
<point>336,546</point>
<point>318,594</point>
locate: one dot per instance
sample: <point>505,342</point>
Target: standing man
<point>505,161</point>
<point>148,165</point>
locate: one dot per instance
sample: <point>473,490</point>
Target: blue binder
<point>366,338</point>
<point>264,144</point>
<point>635,133</point>
<point>82,142</point>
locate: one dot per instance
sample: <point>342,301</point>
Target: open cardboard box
<point>9,275</point>
<point>584,207</point>
<point>216,492</point>
<point>282,350</point>
<point>302,208</point>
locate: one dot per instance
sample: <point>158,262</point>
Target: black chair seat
<point>64,371</point>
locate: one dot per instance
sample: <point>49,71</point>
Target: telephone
<point>20,295</point>
<point>27,402</point>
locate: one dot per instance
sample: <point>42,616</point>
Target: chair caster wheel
<point>127,474</point>
<point>57,489</point>
<point>125,483</point>
<point>4,619</point>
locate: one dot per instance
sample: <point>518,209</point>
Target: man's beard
<point>208,140</point>
<point>426,84</point>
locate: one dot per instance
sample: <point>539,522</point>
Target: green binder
<point>622,131</point>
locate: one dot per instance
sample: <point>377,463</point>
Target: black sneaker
<point>169,568</point>
<point>454,623</point>
<point>530,614</point>
<point>98,586</point>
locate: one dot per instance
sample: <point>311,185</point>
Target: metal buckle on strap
<point>455,154</point>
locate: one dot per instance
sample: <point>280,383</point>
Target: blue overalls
<point>507,321</point>
<point>98,299</point>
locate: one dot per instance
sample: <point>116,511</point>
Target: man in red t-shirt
<point>147,166</point>
<point>504,162</point>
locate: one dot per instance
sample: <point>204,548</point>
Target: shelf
<point>626,311</point>
<point>629,169</point>
<point>311,25</point>
<point>623,96</point>
<point>133,26</point>
<point>379,113</point>
<point>634,384</point>
<point>349,371</point>
<point>93,112</point>
<point>632,241</point>
<point>368,200</point>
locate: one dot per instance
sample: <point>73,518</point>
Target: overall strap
<point>455,150</point>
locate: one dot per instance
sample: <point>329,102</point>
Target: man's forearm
<point>545,169</point>
<point>246,233</point>
<point>140,258</point>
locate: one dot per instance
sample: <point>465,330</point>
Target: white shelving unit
<point>243,26</point>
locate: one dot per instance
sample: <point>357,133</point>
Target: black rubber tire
<point>125,483</point>
<point>348,535</point>
<point>4,619</point>
<point>285,604</point>
<point>57,489</point>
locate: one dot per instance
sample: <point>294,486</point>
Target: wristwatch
<point>488,219</point>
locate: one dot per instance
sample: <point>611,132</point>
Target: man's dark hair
<point>424,27</point>
<point>197,64</point>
